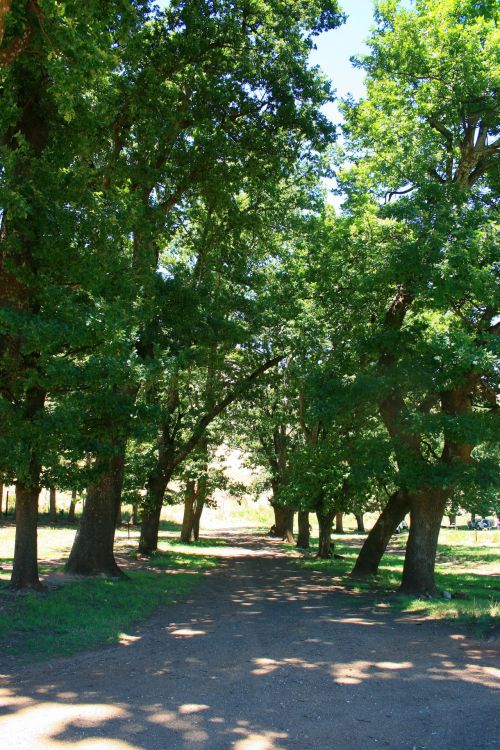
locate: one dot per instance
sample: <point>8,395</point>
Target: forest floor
<point>263,654</point>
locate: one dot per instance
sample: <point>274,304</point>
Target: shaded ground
<point>263,656</point>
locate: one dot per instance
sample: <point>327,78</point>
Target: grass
<point>82,614</point>
<point>463,566</point>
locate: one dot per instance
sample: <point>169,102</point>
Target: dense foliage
<point>172,279</point>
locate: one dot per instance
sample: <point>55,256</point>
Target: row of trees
<point>171,278</point>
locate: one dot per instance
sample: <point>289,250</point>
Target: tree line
<point>173,277</point>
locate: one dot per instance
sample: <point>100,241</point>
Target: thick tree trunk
<point>92,552</point>
<point>72,506</point>
<point>427,509</point>
<point>361,522</point>
<point>52,504</point>
<point>187,528</point>
<point>283,521</point>
<point>25,570</point>
<point>304,532</point>
<point>339,523</point>
<point>325,546</point>
<point>377,540</point>
<point>148,541</point>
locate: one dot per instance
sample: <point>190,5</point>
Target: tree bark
<point>92,552</point>
<point>289,519</point>
<point>200,504</point>
<point>304,532</point>
<point>52,504</point>
<point>25,570</point>
<point>339,523</point>
<point>325,546</point>
<point>377,540</point>
<point>361,522</point>
<point>148,541</point>
<point>427,510</point>
<point>187,528</point>
<point>72,506</point>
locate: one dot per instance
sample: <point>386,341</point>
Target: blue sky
<point>334,48</point>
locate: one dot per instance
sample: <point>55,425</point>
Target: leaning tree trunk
<point>325,546</point>
<point>426,514</point>
<point>150,525</point>
<point>52,504</point>
<point>361,522</point>
<point>339,523</point>
<point>25,570</point>
<point>187,528</point>
<point>304,532</point>
<point>92,552</point>
<point>377,540</point>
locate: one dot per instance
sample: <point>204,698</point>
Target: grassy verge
<point>96,611</point>
<point>463,569</point>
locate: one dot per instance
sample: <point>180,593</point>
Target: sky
<point>334,49</point>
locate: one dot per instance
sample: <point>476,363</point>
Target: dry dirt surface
<point>263,656</point>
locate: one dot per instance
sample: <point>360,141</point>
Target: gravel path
<point>263,656</point>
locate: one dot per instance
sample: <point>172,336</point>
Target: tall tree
<point>425,143</point>
<point>53,61</point>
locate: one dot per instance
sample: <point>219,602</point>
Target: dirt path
<point>263,656</point>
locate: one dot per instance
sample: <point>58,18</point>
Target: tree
<point>425,142</point>
<point>221,102</point>
<point>53,62</point>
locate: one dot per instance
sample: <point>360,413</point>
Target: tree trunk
<point>427,509</point>
<point>187,528</point>
<point>72,506</point>
<point>25,570</point>
<point>134,519</point>
<point>1,497</point>
<point>52,504</point>
<point>92,551</point>
<point>118,518</point>
<point>325,546</point>
<point>339,523</point>
<point>288,530</point>
<point>377,540</point>
<point>304,533</point>
<point>452,517</point>
<point>148,541</point>
<point>200,504</point>
<point>361,522</point>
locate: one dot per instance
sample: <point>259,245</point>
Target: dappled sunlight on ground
<point>261,655</point>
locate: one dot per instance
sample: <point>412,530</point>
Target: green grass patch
<point>454,573</point>
<point>86,613</point>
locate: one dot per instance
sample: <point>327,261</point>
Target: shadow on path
<point>262,656</point>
